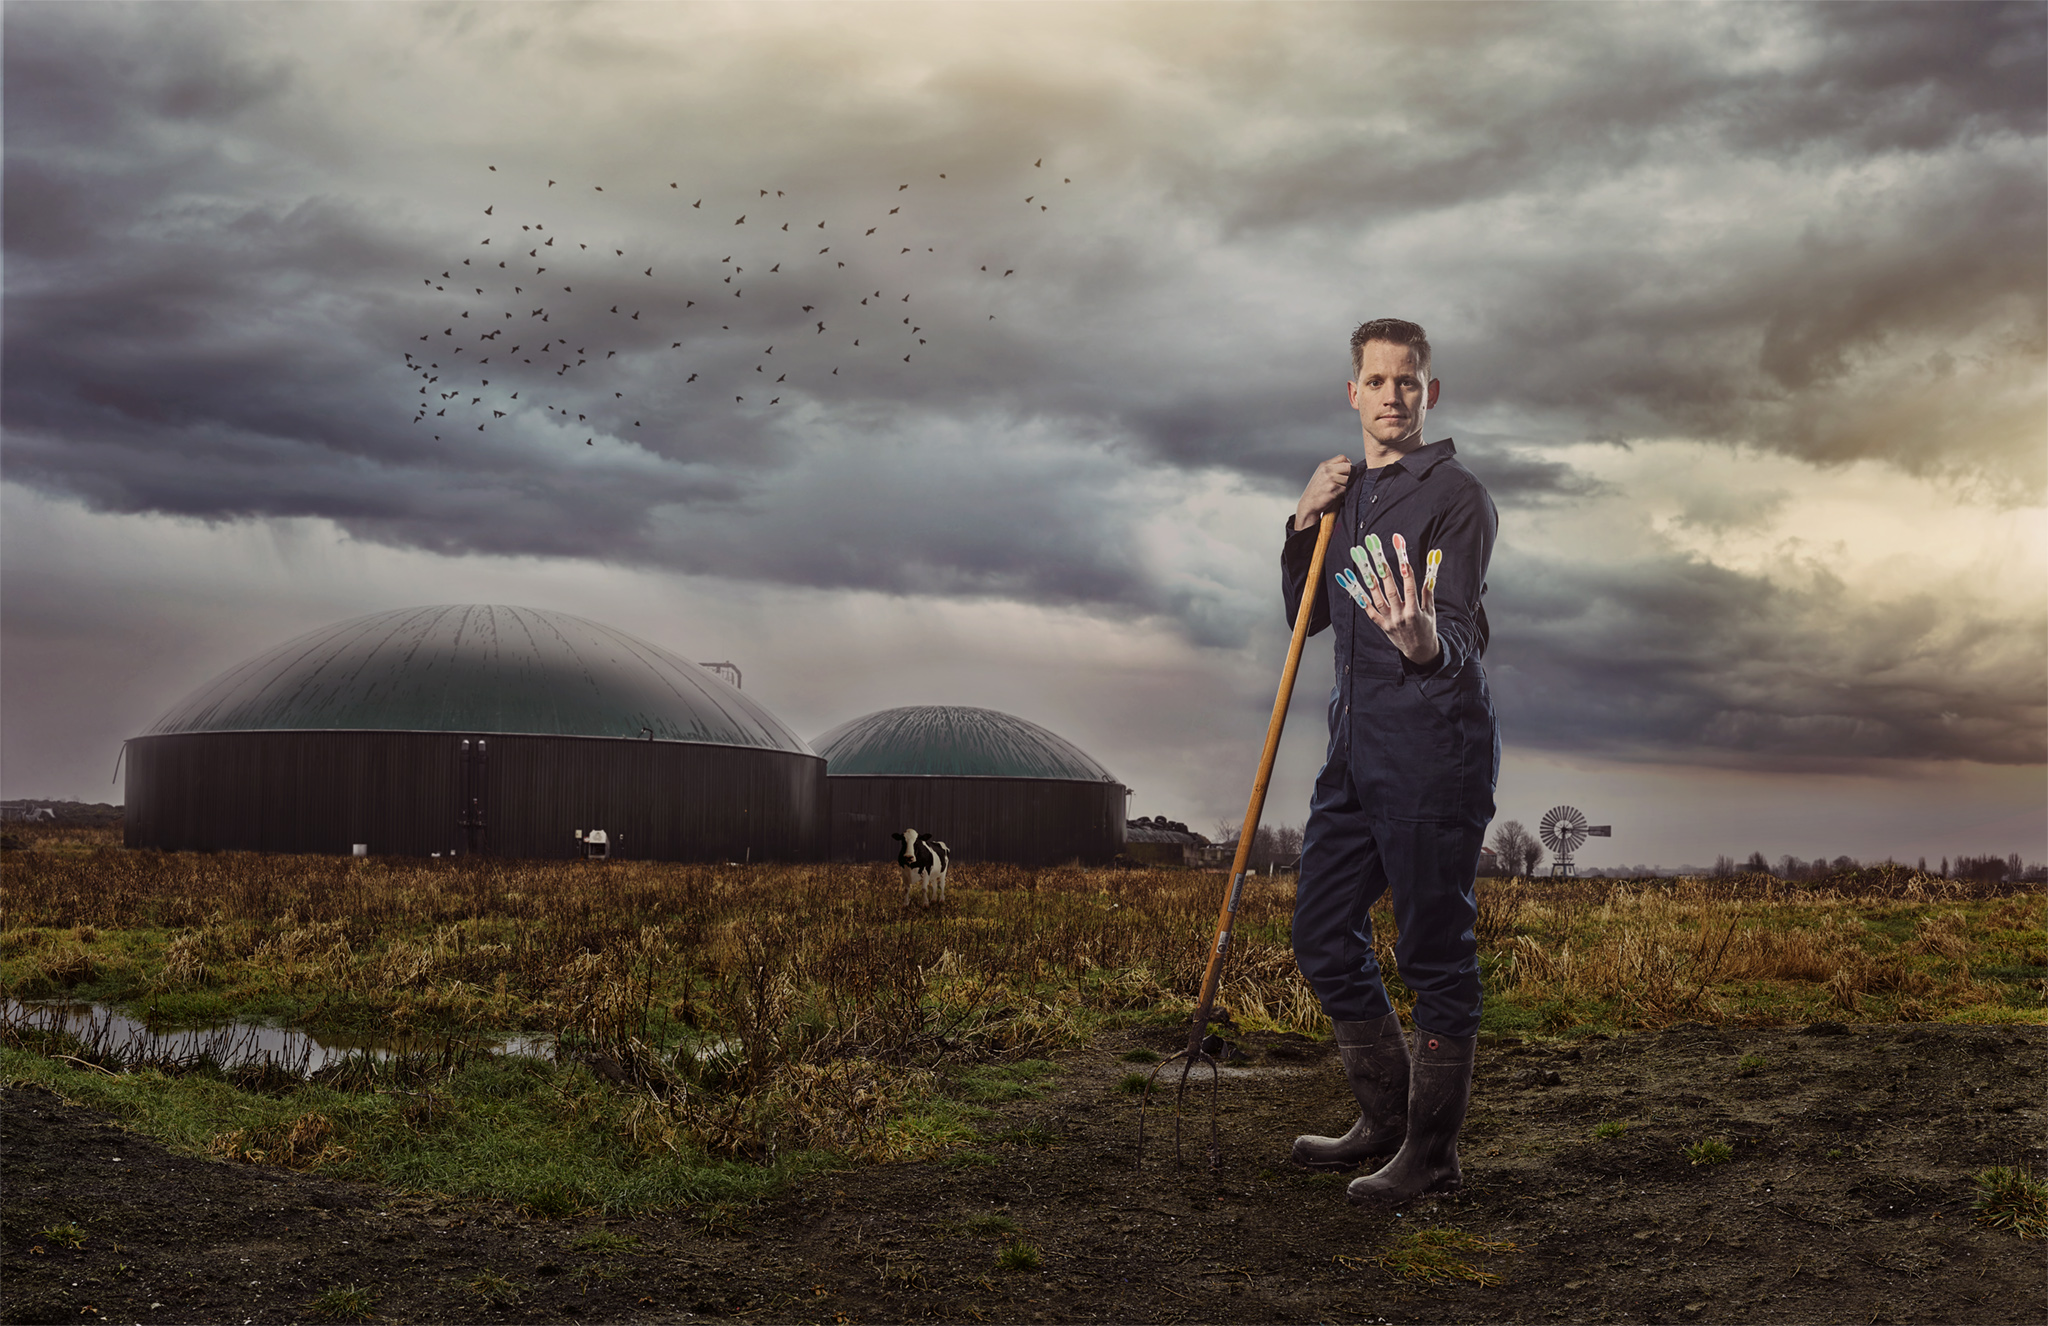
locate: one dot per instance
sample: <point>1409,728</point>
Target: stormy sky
<point>1739,312</point>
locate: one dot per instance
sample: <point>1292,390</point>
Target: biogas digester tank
<point>475,729</point>
<point>991,786</point>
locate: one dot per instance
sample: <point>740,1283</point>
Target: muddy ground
<point>1847,1200</point>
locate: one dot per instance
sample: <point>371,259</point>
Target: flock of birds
<point>535,303</point>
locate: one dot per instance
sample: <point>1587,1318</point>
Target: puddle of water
<point>235,1043</point>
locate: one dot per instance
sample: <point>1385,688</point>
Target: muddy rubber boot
<point>1439,1089</point>
<point>1375,1058</point>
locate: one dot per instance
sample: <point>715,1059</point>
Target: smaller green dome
<point>956,741</point>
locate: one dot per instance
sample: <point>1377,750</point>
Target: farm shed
<point>990,785</point>
<point>475,729</point>
<point>1159,841</point>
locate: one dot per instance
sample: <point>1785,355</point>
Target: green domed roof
<point>479,669</point>
<point>954,741</point>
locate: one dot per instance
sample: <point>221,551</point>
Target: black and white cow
<point>924,866</point>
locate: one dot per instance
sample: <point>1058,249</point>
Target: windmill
<point>1563,829</point>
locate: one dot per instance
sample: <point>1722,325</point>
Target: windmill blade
<point>1600,831</point>
<point>1562,829</point>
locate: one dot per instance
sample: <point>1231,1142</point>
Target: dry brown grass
<point>768,1007</point>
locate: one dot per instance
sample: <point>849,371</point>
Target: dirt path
<point>1847,1200</point>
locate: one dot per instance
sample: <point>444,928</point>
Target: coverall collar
<point>1423,459</point>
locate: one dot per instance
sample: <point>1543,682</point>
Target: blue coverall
<point>1406,789</point>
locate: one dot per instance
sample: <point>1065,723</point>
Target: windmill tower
<point>1564,830</point>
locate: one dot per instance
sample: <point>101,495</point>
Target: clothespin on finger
<point>1436,559</point>
<point>1379,557</point>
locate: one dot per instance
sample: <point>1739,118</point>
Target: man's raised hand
<point>1397,605</point>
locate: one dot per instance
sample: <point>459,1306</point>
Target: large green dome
<point>479,668</point>
<point>954,741</point>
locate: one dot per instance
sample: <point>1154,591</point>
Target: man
<point>1406,789</point>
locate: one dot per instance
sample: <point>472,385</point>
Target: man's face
<point>1390,395</point>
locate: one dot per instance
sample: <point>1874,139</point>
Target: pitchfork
<point>1194,1053</point>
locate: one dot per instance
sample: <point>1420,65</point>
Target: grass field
<point>720,1027</point>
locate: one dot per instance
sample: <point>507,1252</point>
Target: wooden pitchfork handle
<point>1226,918</point>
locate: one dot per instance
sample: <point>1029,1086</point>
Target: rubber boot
<point>1439,1090</point>
<point>1375,1058</point>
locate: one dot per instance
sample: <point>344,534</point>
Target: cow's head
<point>908,856</point>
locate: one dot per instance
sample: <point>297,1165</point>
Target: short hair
<point>1395,332</point>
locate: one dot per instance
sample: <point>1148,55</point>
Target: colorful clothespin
<point>1348,582</point>
<point>1379,556</point>
<point>1436,559</point>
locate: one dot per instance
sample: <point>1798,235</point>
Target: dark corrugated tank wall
<point>1027,821</point>
<point>406,793</point>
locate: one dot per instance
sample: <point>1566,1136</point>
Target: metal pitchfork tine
<point>1194,1053</point>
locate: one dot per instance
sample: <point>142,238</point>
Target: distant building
<point>990,785</point>
<point>1156,840</point>
<point>475,729</point>
<point>27,814</point>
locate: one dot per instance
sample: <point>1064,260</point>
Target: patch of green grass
<point>603,1241</point>
<point>2011,1198</point>
<point>1749,1065</point>
<point>1018,1256</point>
<point>992,1225</point>
<point>1133,1084</point>
<point>546,1138</point>
<point>1709,1151</point>
<point>1036,1134</point>
<point>1510,1015</point>
<point>721,1219</point>
<point>972,1160</point>
<point>1612,1128</point>
<point>1141,1056</point>
<point>495,1289</point>
<point>931,1126</point>
<point>66,1235</point>
<point>349,1303</point>
<point>1435,1256</point>
<point>1024,1080</point>
<point>553,1201</point>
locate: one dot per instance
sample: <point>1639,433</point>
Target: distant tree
<point>1844,863</point>
<point>1517,848</point>
<point>1724,866</point>
<point>1790,867</point>
<point>1757,864</point>
<point>1944,867</point>
<point>1990,869</point>
<point>1270,847</point>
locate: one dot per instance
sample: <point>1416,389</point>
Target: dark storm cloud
<point>1901,142</point>
<point>1670,654</point>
